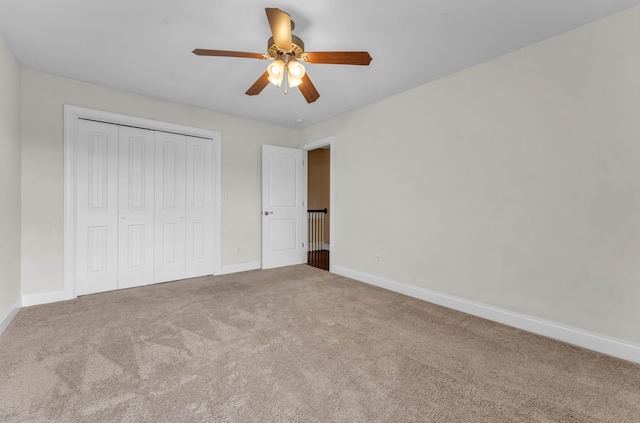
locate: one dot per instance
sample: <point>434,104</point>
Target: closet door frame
<point>72,115</point>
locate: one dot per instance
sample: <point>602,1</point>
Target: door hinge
<point>303,245</point>
<point>303,163</point>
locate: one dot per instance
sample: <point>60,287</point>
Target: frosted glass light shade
<point>295,73</point>
<point>276,72</point>
<point>296,70</point>
<point>294,82</point>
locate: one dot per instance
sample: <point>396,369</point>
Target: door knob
<point>267,213</point>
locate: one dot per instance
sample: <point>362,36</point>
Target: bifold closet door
<point>183,207</point>
<point>96,208</point>
<point>170,199</point>
<point>199,207</point>
<point>136,207</point>
<point>144,207</point>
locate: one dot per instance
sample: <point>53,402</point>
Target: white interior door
<point>170,198</point>
<point>283,207</point>
<point>96,207</point>
<point>199,207</point>
<point>136,207</point>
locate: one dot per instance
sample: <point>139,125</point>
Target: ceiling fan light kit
<point>287,51</point>
<point>290,72</point>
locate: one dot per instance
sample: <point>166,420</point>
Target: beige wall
<point>318,184</point>
<point>9,179</point>
<point>42,168</point>
<point>514,184</point>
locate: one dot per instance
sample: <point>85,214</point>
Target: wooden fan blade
<point>308,90</point>
<point>226,53</point>
<point>259,85</point>
<point>280,23</point>
<point>340,57</point>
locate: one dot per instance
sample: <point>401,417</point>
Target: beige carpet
<point>296,344</point>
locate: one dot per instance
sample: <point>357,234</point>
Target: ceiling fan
<point>287,51</point>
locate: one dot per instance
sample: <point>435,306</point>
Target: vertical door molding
<point>72,116</point>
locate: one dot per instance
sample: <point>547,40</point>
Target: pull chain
<point>286,79</point>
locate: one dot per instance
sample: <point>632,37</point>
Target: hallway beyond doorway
<point>319,259</point>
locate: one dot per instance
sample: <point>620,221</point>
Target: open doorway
<point>319,207</point>
<point>320,176</point>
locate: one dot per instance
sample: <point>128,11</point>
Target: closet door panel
<point>169,207</point>
<point>136,207</point>
<point>96,207</point>
<point>199,207</point>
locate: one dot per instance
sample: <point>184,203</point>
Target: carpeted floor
<point>295,344</point>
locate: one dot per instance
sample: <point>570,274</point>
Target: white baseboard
<point>581,338</point>
<point>7,317</point>
<point>242,267</point>
<point>44,298</point>
<point>55,296</point>
<point>326,247</point>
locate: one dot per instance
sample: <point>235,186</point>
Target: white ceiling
<point>144,46</point>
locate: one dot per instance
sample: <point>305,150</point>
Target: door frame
<point>324,142</point>
<point>72,115</point>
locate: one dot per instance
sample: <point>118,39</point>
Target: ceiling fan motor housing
<point>296,51</point>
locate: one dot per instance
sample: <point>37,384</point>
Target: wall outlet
<point>238,250</point>
<point>377,258</point>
